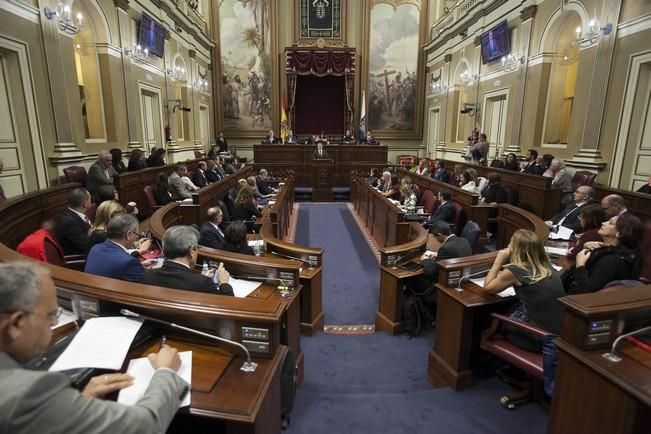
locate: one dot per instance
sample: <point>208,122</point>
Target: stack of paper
<point>101,343</point>
<point>556,251</point>
<point>508,292</point>
<point>242,288</point>
<point>142,371</point>
<point>563,233</point>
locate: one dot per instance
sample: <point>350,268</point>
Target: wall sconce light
<point>592,34</point>
<point>137,53</point>
<point>467,77</point>
<point>179,68</point>
<point>200,84</point>
<point>511,62</point>
<point>65,22</point>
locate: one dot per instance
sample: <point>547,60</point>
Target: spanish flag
<point>284,128</point>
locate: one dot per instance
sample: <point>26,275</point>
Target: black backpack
<point>415,315</point>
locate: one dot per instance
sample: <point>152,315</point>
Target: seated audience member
<point>181,249</point>
<point>319,152</point>
<point>260,199</point>
<point>213,152</point>
<point>545,164</point>
<point>112,258</point>
<point>374,178</point>
<point>73,224</point>
<point>118,162</point>
<point>469,182</point>
<point>213,172</point>
<point>614,205</point>
<point>408,198</point>
<point>105,211</point>
<point>569,217</point>
<point>646,188</point>
<point>137,160</point>
<point>479,151</point>
<point>235,239</point>
<point>36,401</point>
<point>104,193</point>
<point>348,138</point>
<point>243,207</point>
<point>189,184</point>
<point>162,192</point>
<point>271,138</point>
<point>384,184</point>
<point>451,247</point>
<point>524,264</point>
<point>221,143</point>
<point>440,174</point>
<point>100,173</point>
<point>494,192</point>
<point>562,179</point>
<point>394,189</point>
<point>616,258</point>
<point>211,234</point>
<point>512,163</point>
<point>369,140</point>
<point>445,211</point>
<point>291,138</point>
<point>309,140</point>
<point>177,186</point>
<point>591,217</point>
<point>323,138</point>
<point>457,177</point>
<point>261,181</point>
<point>422,168</point>
<point>199,176</point>
<point>532,162</point>
<point>157,158</point>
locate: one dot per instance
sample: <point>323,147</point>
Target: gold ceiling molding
<point>397,3</point>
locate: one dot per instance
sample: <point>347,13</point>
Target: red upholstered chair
<point>430,201</point>
<point>531,363</point>
<point>460,219</point>
<point>407,161</point>
<point>75,174</point>
<point>583,177</point>
<point>150,201</point>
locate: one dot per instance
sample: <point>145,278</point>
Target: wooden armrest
<point>532,330</point>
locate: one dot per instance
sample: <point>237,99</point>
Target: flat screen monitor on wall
<point>495,43</point>
<point>152,36</point>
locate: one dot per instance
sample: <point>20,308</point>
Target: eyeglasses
<point>52,316</point>
<point>140,234</point>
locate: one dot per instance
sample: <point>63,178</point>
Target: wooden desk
<point>299,159</point>
<point>535,193</point>
<point>593,394</point>
<point>460,317</point>
<point>638,203</point>
<point>511,218</point>
<point>208,196</point>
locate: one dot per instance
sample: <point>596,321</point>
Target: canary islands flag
<point>362,118</point>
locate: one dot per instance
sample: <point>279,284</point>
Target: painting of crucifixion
<point>393,66</point>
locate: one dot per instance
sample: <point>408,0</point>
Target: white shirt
<point>218,228</point>
<point>81,215</point>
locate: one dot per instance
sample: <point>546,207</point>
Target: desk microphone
<point>611,356</point>
<point>305,261</point>
<point>477,273</point>
<point>248,366</point>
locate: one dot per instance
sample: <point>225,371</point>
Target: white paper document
<point>142,372</point>
<point>556,251</point>
<point>101,343</point>
<point>508,292</point>
<point>557,267</point>
<point>563,233</point>
<point>242,288</point>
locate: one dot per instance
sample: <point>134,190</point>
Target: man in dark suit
<point>100,173</point>
<point>451,247</point>
<point>445,212</point>
<point>532,167</point>
<point>181,248</point>
<point>213,174</point>
<point>35,401</point>
<point>271,138</point>
<point>569,217</point>
<point>211,234</point>
<point>221,142</point>
<point>369,140</point>
<point>73,224</point>
<point>112,258</point>
<point>291,138</point>
<point>614,205</point>
<point>320,153</point>
<point>199,176</point>
<point>261,182</point>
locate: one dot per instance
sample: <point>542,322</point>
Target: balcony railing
<point>457,15</point>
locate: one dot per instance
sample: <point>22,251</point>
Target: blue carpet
<point>351,276</point>
<point>377,383</point>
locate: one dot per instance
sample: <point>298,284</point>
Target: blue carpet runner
<point>377,383</point>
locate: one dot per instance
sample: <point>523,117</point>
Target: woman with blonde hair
<point>105,211</point>
<point>524,264</point>
<point>408,198</point>
<point>260,198</point>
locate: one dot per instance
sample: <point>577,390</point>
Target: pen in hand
<point>163,339</point>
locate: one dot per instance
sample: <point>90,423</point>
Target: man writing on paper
<point>38,401</point>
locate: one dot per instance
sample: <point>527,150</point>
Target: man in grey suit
<point>177,187</point>
<point>451,247</point>
<point>39,401</point>
<point>320,153</point>
<point>100,173</point>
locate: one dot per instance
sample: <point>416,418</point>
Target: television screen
<point>152,36</point>
<point>495,43</point>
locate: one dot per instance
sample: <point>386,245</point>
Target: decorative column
<point>526,17</point>
<point>589,156</point>
<point>193,77</point>
<point>443,113</point>
<point>130,91</point>
<point>65,150</point>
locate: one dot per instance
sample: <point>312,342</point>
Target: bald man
<point>614,205</point>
